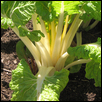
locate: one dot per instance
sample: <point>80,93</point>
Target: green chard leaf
<point>42,87</point>
<point>71,7</point>
<point>34,35</point>
<point>50,10</point>
<point>19,11</point>
<point>69,60</point>
<point>6,22</point>
<point>6,7</point>
<point>23,82</point>
<point>92,10</point>
<point>45,10</point>
<point>93,71</point>
<point>98,41</point>
<point>92,51</point>
<point>75,68</point>
<point>22,51</point>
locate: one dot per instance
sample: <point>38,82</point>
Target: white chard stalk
<point>55,54</point>
<point>57,46</point>
<point>45,39</point>
<point>71,33</point>
<point>34,51</point>
<point>81,61</point>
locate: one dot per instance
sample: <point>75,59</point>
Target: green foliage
<point>93,52</point>
<point>22,51</point>
<point>54,85</point>
<point>98,41</point>
<point>24,84</point>
<point>69,60</point>
<point>33,36</point>
<point>75,68</point>
<point>71,7</point>
<point>19,11</point>
<point>92,10</point>
<point>87,51</point>
<point>6,22</point>
<point>93,71</point>
<point>6,8</point>
<point>45,10</point>
<point>18,15</point>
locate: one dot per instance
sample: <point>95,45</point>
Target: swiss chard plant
<point>46,54</point>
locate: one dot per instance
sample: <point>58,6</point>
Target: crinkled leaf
<point>33,36</point>
<point>54,85</point>
<point>45,10</point>
<point>26,88</point>
<point>71,7</point>
<point>92,51</point>
<point>50,10</point>
<point>75,68</point>
<point>57,6</point>
<point>93,71</point>
<point>92,10</point>
<point>19,11</point>
<point>23,83</point>
<point>6,7</point>
<point>69,60</point>
<point>6,22</point>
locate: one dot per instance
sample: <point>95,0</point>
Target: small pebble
<point>15,61</point>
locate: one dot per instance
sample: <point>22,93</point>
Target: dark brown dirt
<point>78,88</point>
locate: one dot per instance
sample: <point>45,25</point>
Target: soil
<point>78,88</point>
